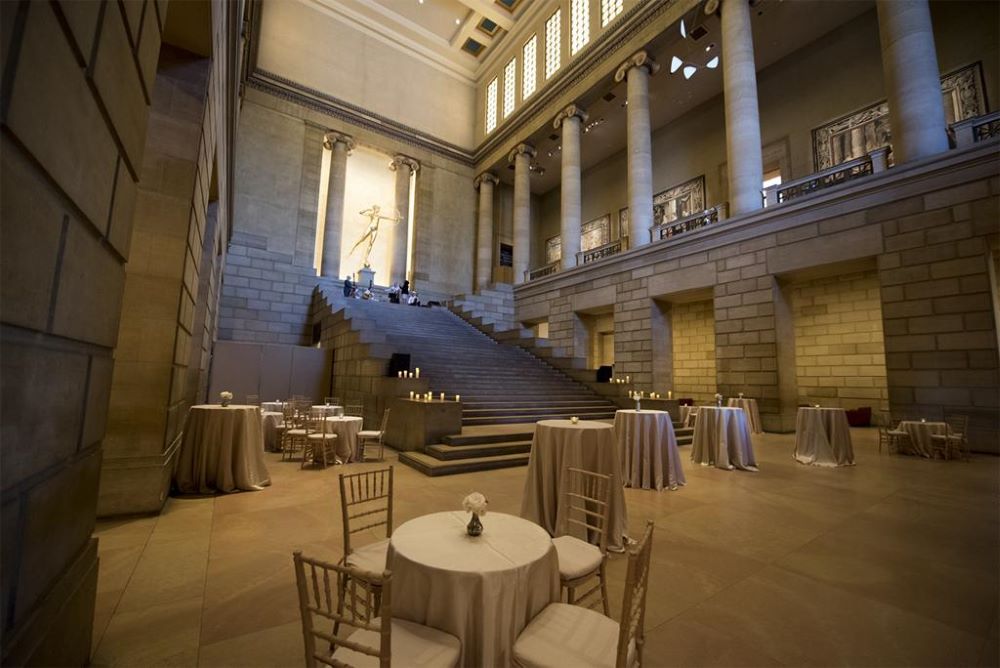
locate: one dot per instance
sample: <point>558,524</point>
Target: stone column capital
<point>401,160</point>
<point>569,112</point>
<point>332,137</point>
<point>640,59</point>
<point>486,177</point>
<point>522,149</point>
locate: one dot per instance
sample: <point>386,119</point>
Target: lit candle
<point>418,372</point>
<point>430,396</point>
<point>670,394</point>
<point>442,396</point>
<point>411,395</point>
<point>458,397</point>
<point>628,379</point>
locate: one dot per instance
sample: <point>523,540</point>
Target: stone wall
<point>693,333</point>
<point>839,353</point>
<point>78,79</point>
<point>928,225</point>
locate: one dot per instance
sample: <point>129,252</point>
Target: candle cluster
<point>429,396</point>
<point>409,374</point>
<point>622,381</point>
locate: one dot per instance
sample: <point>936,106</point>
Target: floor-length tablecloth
<point>559,444</point>
<point>222,450</point>
<point>346,428</point>
<point>326,410</point>
<point>272,406</point>
<point>752,411</point>
<point>272,424</point>
<point>823,437</point>
<point>920,436</point>
<point>647,449</point>
<point>722,439</point>
<point>484,590</point>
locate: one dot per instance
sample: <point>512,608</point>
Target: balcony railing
<point>692,222</point>
<point>873,163</point>
<point>601,252</point>
<point>545,270</point>
<point>974,130</point>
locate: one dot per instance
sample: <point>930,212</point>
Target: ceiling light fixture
<point>457,21</point>
<point>689,71</point>
<point>684,32</point>
<point>675,64</point>
<point>713,63</point>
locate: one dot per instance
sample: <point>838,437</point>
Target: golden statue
<point>375,218</point>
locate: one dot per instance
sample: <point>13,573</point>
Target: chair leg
<point>602,575</point>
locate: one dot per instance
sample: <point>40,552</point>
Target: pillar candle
<point>411,395</point>
<point>442,396</point>
<point>670,394</point>
<point>458,397</point>
<point>418,372</point>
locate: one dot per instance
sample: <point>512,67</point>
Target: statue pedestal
<point>366,277</point>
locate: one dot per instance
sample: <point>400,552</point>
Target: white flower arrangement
<point>475,503</point>
<point>226,396</point>
<point>718,397</point>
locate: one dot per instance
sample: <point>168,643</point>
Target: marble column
<point>521,156</point>
<point>638,69</point>
<point>404,166</point>
<point>746,172</point>
<point>570,120</point>
<point>484,233</point>
<point>912,79</point>
<point>340,146</point>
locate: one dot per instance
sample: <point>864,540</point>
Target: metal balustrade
<point>603,251</point>
<point>545,270</point>
<point>974,130</point>
<point>873,163</point>
<point>693,222</point>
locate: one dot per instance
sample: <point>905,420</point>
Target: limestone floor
<point>891,562</point>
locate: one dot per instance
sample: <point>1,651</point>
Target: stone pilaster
<point>484,234</point>
<point>746,172</point>
<point>521,156</point>
<point>570,120</point>
<point>404,166</point>
<point>340,145</point>
<point>637,69</point>
<point>912,79</point>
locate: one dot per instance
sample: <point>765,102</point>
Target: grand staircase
<point>504,388</point>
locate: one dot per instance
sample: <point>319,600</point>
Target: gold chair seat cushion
<point>944,437</point>
<point>325,437</point>
<point>568,635</point>
<point>296,432</point>
<point>576,557</point>
<point>369,433</point>
<point>371,557</point>
<point>412,645</point>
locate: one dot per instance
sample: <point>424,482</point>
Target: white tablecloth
<point>326,410</point>
<point>647,449</point>
<point>920,436</point>
<point>272,422</point>
<point>272,406</point>
<point>823,437</point>
<point>753,413</point>
<point>559,444</point>
<point>484,590</point>
<point>346,428</point>
<point>722,439</point>
<point>222,450</point>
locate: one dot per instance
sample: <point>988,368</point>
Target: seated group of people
<point>396,292</point>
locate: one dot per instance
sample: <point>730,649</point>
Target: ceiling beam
<point>492,11</point>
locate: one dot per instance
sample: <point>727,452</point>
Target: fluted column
<point>484,233</point>
<point>521,156</point>
<point>746,172</point>
<point>404,166</point>
<point>638,69</point>
<point>912,79</point>
<point>570,119</point>
<point>340,146</point>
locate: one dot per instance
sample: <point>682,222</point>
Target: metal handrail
<point>602,251</point>
<point>688,223</point>
<point>873,163</point>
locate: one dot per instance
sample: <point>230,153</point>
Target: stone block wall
<point>839,352</point>
<point>927,226</point>
<point>693,326</point>
<point>77,80</point>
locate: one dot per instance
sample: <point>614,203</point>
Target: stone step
<point>434,467</point>
<point>510,419</point>
<point>533,410</point>
<point>452,452</point>
<point>461,440</point>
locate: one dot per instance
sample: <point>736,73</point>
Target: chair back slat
<point>365,495</point>
<point>587,498</point>
<point>319,606</point>
<point>633,616</point>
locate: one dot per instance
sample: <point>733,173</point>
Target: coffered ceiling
<point>454,34</point>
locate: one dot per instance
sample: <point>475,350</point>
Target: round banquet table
<point>920,436</point>
<point>346,428</point>
<point>823,437</point>
<point>326,410</point>
<point>722,439</point>
<point>222,450</point>
<point>272,422</point>
<point>272,406</point>
<point>753,413</point>
<point>647,448</point>
<point>484,590</point>
<point>586,445</point>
